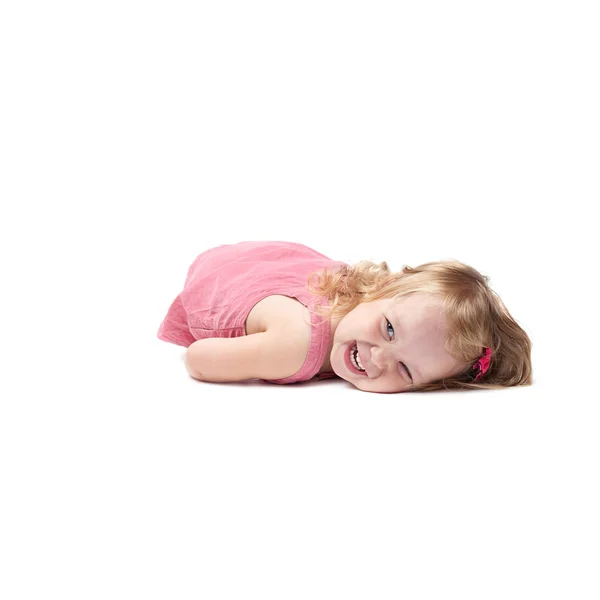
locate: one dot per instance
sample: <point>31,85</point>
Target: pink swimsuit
<point>224,283</point>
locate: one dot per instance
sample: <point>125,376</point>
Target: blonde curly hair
<point>476,317</point>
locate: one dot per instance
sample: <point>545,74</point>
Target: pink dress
<point>224,283</point>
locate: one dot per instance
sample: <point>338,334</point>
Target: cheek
<point>359,326</point>
<point>367,325</point>
<point>344,330</point>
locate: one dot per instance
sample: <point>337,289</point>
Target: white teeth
<point>355,358</point>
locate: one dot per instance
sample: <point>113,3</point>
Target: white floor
<point>155,485</point>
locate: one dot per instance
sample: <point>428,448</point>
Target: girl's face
<point>394,337</point>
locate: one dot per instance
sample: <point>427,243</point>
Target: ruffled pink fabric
<point>224,283</point>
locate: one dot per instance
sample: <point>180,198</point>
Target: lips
<point>348,362</point>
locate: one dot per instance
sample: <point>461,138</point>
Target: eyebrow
<point>416,371</point>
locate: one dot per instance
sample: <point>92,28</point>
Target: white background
<point>135,135</point>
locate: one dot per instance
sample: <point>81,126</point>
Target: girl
<point>284,313</point>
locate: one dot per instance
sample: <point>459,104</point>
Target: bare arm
<point>264,355</point>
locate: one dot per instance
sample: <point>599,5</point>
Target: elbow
<point>190,365</point>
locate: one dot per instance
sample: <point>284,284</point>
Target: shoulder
<point>287,321</point>
<point>284,323</point>
<point>282,313</point>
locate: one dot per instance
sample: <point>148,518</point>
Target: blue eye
<point>390,325</point>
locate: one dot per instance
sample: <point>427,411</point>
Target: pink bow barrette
<point>483,364</point>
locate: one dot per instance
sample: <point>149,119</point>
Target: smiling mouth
<point>352,360</point>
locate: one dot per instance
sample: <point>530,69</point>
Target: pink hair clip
<point>483,364</point>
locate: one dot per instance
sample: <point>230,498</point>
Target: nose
<point>381,358</point>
